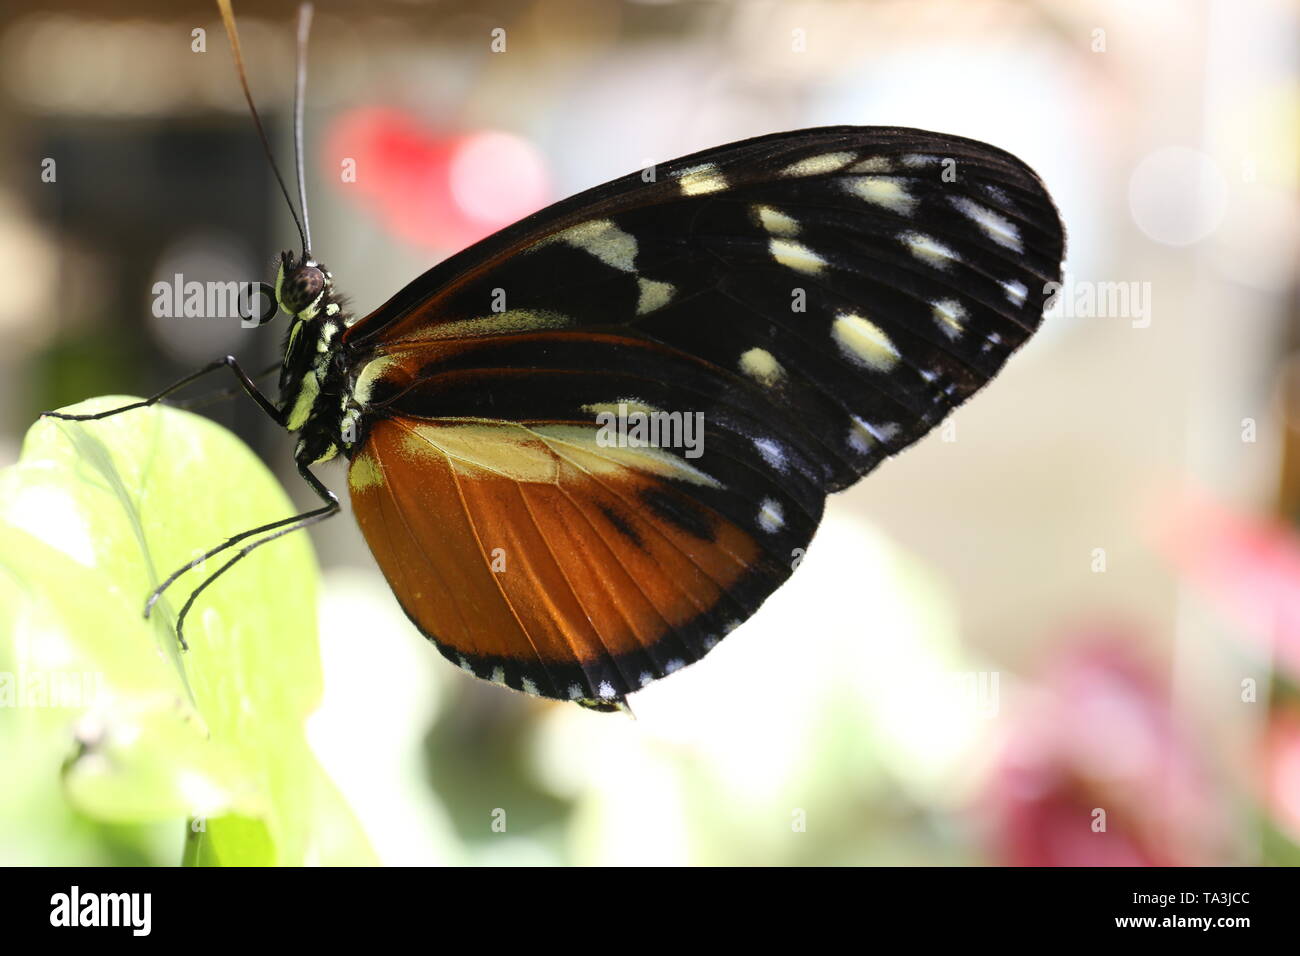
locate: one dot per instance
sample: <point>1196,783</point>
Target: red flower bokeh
<point>1095,771</point>
<point>435,189</point>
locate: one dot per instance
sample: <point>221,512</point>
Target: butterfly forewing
<point>822,298</point>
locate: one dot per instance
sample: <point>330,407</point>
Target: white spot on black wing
<point>998,228</point>
<point>929,250</point>
<point>950,316</point>
<point>771,516</point>
<point>772,453</point>
<point>887,192</point>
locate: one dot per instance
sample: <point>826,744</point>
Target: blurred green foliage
<point>126,742</point>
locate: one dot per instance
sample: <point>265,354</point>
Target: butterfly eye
<point>301,288</point>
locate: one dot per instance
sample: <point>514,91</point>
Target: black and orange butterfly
<point>824,298</point>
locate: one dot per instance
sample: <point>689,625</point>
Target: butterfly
<point>789,310</point>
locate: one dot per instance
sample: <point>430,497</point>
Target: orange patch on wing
<point>586,568</point>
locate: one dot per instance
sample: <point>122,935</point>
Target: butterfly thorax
<point>312,375</point>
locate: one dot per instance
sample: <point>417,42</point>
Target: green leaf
<point>112,724</point>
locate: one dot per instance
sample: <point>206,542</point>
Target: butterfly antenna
<point>228,18</point>
<point>299,94</point>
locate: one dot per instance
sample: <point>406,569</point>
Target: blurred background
<point>1082,595</point>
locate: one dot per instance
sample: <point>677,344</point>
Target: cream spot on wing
<point>864,342</point>
<point>762,367</point>
<point>529,687</point>
<point>535,454</point>
<point>653,295</point>
<point>998,228</point>
<point>574,691</point>
<point>370,373</point>
<point>364,473</point>
<point>950,315</point>
<point>883,191</point>
<point>579,444</point>
<point>929,250</point>
<point>606,690</point>
<point>796,255</point>
<point>466,666</point>
<point>872,164</point>
<point>498,675</point>
<point>770,515</point>
<point>865,437</point>
<point>775,222</point>
<point>501,323</point>
<point>673,665</point>
<point>697,180</point>
<point>600,237</point>
<point>818,165</point>
<point>646,678</point>
<point>622,406</point>
<point>1016,291</point>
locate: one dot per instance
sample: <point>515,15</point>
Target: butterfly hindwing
<point>542,561</point>
<point>821,298</point>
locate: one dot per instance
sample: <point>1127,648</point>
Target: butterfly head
<point>302,287</point>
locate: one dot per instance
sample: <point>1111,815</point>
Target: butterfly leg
<point>245,382</point>
<point>220,395</point>
<point>276,528</point>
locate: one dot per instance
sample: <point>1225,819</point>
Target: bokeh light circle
<point>1177,196</point>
